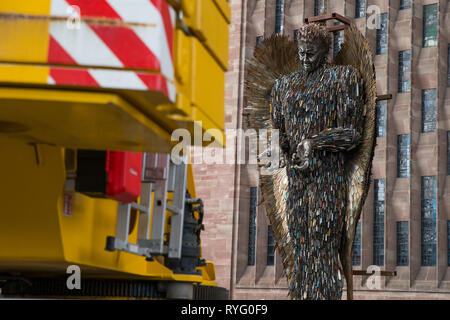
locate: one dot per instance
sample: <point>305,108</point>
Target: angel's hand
<point>302,157</point>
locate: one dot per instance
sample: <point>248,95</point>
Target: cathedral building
<point>404,230</point>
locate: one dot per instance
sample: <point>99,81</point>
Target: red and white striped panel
<point>142,38</point>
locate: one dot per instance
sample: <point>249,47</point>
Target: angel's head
<point>314,42</point>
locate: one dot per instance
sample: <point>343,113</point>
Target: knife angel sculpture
<point>325,114</point>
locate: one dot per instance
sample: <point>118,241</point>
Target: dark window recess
<point>270,247</point>
<point>319,7</point>
<point>430,19</point>
<point>279,16</point>
<point>381,118</point>
<point>252,226</point>
<point>356,257</point>
<point>405,4</point>
<point>404,71</point>
<point>448,66</point>
<point>338,39</point>
<point>360,8</point>
<point>296,35</point>
<point>378,223</point>
<point>448,152</point>
<point>403,156</point>
<point>402,243</point>
<point>448,242</point>
<point>382,34</point>
<point>429,110</point>
<point>428,225</point>
<point>259,39</point>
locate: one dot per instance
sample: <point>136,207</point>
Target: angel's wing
<point>273,58</point>
<point>356,52</point>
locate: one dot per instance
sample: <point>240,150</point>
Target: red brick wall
<point>225,188</point>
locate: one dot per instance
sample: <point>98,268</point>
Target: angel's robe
<point>327,107</point>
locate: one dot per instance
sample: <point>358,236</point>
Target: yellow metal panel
<point>211,27</point>
<point>24,40</point>
<point>208,79</point>
<point>208,271</point>
<point>188,7</point>
<point>183,56</point>
<point>39,7</point>
<point>23,73</point>
<point>80,120</point>
<point>183,72</point>
<point>35,235</point>
<point>224,9</point>
<point>84,237</point>
<point>31,179</point>
<point>206,124</point>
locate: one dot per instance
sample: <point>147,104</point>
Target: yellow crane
<point>84,78</point>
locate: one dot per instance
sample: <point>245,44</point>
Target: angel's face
<point>311,55</point>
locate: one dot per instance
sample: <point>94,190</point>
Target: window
<point>402,243</point>
<point>403,156</point>
<point>279,16</point>
<point>429,110</point>
<point>378,223</point>
<point>404,71</point>
<point>360,8</point>
<point>252,226</point>
<point>270,247</point>
<point>296,35</point>
<point>382,34</point>
<point>448,152</point>
<point>428,225</point>
<point>430,19</point>
<point>405,4</point>
<point>319,7</point>
<point>448,242</point>
<point>356,257</point>
<point>448,66</point>
<point>338,39</point>
<point>381,118</point>
<point>259,39</point>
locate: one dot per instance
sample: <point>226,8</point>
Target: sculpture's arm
<point>336,139</point>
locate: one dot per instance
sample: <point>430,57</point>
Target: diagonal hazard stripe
<point>135,46</point>
<point>95,8</point>
<point>154,82</point>
<point>118,79</point>
<point>57,54</point>
<point>67,75</point>
<point>163,8</point>
<point>73,77</point>
<point>83,45</point>
<point>127,47</point>
<point>144,11</point>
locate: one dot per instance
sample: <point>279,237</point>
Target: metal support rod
<point>384,97</point>
<point>337,28</point>
<point>330,16</point>
<point>382,273</point>
<point>123,222</point>
<point>177,207</point>
<point>145,215</point>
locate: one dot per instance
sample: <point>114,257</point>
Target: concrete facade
<point>225,189</point>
